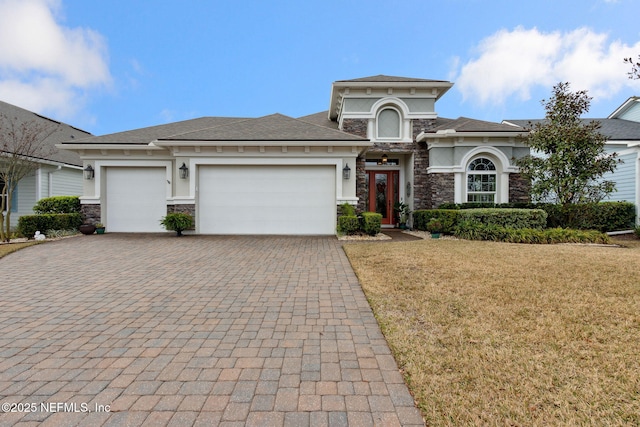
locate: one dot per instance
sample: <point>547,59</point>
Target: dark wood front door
<point>383,193</point>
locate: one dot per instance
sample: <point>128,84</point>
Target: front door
<point>383,193</point>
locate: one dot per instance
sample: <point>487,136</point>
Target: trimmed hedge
<point>602,216</point>
<point>448,218</point>
<point>348,224</point>
<point>515,218</point>
<point>58,205</point>
<point>29,224</point>
<point>371,223</point>
<point>470,230</point>
<point>509,218</point>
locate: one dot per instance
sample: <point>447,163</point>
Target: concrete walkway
<point>206,330</point>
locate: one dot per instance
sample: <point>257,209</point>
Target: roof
<point>320,119</point>
<point>614,129</point>
<point>275,127</point>
<point>391,79</point>
<point>465,124</point>
<point>61,132</point>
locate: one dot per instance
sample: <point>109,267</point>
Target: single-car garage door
<point>136,199</point>
<point>267,200</point>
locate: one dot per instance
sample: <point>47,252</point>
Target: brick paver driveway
<point>205,330</point>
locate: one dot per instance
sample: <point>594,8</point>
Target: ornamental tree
<point>569,158</point>
<point>22,144</point>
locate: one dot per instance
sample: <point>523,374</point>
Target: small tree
<point>177,222</point>
<point>22,144</point>
<point>571,158</point>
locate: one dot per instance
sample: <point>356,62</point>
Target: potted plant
<point>434,226</point>
<point>177,222</point>
<point>100,228</point>
<point>87,229</point>
<point>402,213</point>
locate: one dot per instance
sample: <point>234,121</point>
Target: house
<point>622,128</point>
<point>59,174</point>
<point>381,141</point>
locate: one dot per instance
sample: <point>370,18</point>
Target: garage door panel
<point>136,199</point>
<point>267,200</point>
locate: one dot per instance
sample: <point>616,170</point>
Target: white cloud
<point>45,66</point>
<point>514,63</point>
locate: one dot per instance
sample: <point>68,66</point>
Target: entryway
<point>383,193</point>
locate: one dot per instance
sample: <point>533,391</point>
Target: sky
<point>110,66</point>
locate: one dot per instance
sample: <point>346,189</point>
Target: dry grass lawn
<point>505,334</point>
<point>7,248</point>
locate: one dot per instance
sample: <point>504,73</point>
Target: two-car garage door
<point>266,200</point>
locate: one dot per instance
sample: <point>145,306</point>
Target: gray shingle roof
<point>465,124</point>
<point>146,135</point>
<point>320,119</point>
<point>61,132</point>
<point>614,129</point>
<point>275,127</point>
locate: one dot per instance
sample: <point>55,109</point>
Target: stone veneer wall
<point>519,188</point>
<point>355,127</point>
<point>442,188</point>
<point>422,185</point>
<point>91,214</point>
<point>188,209</point>
<point>361,185</point>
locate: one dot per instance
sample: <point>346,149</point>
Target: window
<point>389,124</point>
<point>481,181</point>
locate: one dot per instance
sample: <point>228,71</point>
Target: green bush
<point>29,224</point>
<point>371,223</point>
<point>472,230</point>
<point>509,218</point>
<point>347,209</point>
<point>637,231</point>
<point>448,218</point>
<point>348,224</point>
<point>177,222</point>
<point>603,216</point>
<point>58,205</point>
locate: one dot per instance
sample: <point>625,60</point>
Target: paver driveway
<point>206,330</point>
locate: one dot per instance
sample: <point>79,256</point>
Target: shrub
<point>510,218</point>
<point>603,216</point>
<point>637,231</point>
<point>371,223</point>
<point>471,230</point>
<point>29,224</point>
<point>448,218</point>
<point>177,222</point>
<point>434,225</point>
<point>348,224</point>
<point>347,209</point>
<point>58,205</point>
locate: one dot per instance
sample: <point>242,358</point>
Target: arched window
<point>481,181</point>
<point>389,123</point>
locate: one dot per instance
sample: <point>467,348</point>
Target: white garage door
<point>267,200</point>
<point>136,199</point>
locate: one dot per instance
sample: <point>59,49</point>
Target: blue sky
<point>109,66</point>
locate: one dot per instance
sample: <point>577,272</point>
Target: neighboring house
<point>622,128</point>
<point>60,174</point>
<point>380,142</point>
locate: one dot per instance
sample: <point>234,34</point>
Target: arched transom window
<point>481,181</point>
<point>389,123</point>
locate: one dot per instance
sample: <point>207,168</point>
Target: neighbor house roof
<point>274,127</point>
<point>614,129</point>
<point>60,132</point>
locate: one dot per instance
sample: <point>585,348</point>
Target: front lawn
<point>7,248</point>
<point>510,334</point>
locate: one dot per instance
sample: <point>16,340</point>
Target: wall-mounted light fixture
<point>346,172</point>
<point>384,159</point>
<point>184,171</point>
<point>89,173</point>
<point>408,189</point>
